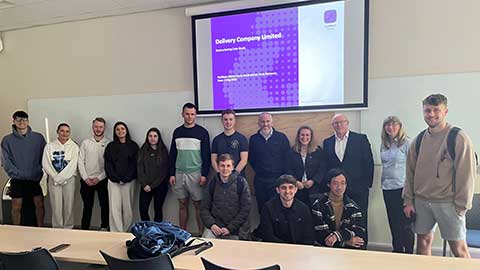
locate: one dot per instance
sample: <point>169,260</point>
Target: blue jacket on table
<point>324,221</point>
<point>268,157</point>
<point>279,227</point>
<point>357,161</point>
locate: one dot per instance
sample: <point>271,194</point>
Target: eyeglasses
<point>339,122</point>
<point>19,119</point>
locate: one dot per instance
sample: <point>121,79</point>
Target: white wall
<point>151,51</point>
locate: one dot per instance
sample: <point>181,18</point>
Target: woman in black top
<point>152,168</point>
<point>306,162</point>
<point>121,168</point>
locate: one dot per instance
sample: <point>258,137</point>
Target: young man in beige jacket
<point>439,188</point>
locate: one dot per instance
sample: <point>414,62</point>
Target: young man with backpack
<point>440,175</point>
<point>226,206</point>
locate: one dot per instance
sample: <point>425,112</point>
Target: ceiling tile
<point>29,13</point>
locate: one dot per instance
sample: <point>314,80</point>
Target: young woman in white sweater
<point>60,159</point>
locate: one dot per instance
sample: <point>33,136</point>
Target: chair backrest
<point>473,215</point>
<point>162,262</point>
<point>208,265</point>
<point>39,259</point>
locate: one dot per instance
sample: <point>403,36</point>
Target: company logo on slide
<point>330,16</point>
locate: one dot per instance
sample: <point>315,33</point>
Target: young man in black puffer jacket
<point>226,206</point>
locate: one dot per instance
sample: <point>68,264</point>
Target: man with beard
<point>268,150</point>
<point>439,184</point>
<point>94,178</point>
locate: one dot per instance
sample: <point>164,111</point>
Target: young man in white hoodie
<point>60,159</point>
<point>91,166</point>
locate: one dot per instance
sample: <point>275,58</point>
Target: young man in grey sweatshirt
<point>439,188</point>
<point>22,161</point>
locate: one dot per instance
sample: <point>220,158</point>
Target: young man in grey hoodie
<point>22,160</point>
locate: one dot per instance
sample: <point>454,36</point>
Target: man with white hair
<point>351,151</point>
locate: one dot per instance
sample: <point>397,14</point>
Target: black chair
<point>211,266</point>
<point>162,262</point>
<point>38,259</point>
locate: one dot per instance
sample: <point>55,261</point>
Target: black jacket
<point>268,158</point>
<point>281,225</point>
<point>357,161</point>
<point>152,167</point>
<point>315,166</point>
<point>226,207</point>
<point>324,221</point>
<point>121,161</point>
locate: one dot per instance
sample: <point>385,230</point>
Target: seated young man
<point>226,206</point>
<point>337,219</point>
<point>285,219</point>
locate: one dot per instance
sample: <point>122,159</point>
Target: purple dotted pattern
<point>276,57</point>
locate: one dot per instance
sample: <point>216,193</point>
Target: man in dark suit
<point>351,151</point>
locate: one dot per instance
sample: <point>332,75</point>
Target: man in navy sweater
<point>268,150</point>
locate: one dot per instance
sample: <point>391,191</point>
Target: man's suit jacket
<point>357,161</point>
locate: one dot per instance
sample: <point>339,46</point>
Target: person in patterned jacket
<point>337,219</point>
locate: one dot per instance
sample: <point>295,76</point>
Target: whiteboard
<point>402,96</point>
<point>139,111</point>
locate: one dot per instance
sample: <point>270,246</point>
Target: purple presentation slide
<point>252,52</point>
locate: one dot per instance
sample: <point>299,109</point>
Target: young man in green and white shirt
<point>189,164</point>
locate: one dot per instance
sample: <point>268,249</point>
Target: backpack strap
<point>240,185</point>
<point>211,186</point>
<point>418,142</point>
<point>188,246</point>
<point>451,139</point>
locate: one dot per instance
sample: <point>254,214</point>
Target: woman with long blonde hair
<point>394,150</point>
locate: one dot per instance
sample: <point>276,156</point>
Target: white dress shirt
<point>340,145</point>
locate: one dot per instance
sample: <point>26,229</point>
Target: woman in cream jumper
<point>60,159</point>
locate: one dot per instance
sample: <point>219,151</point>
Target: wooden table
<point>84,245</point>
<point>236,254</point>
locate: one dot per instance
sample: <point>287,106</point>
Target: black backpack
<point>211,186</point>
<point>451,138</point>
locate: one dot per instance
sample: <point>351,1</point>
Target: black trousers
<point>88,196</point>
<point>361,198</point>
<point>158,194</point>
<point>403,238</point>
<point>264,190</point>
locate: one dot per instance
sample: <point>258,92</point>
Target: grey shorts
<point>452,225</point>
<point>188,185</point>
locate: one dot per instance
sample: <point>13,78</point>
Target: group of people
<point>305,193</point>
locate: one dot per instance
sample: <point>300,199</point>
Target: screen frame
<point>362,105</point>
